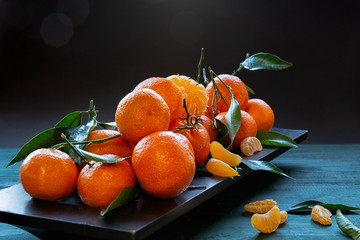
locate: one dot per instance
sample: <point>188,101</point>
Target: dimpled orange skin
<point>238,89</point>
<point>140,113</point>
<point>199,140</point>
<point>164,164</point>
<point>248,128</point>
<point>262,113</point>
<point>101,184</point>
<point>48,174</point>
<point>117,146</point>
<point>168,91</point>
<point>212,131</point>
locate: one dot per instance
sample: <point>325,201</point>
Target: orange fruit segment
<point>283,216</point>
<point>250,145</point>
<point>261,206</point>
<point>194,94</point>
<point>220,168</point>
<point>321,215</point>
<point>267,222</point>
<point>219,152</point>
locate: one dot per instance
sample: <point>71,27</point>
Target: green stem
<point>63,136</point>
<point>199,65</point>
<point>237,70</point>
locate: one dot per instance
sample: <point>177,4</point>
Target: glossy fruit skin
<point>193,93</point>
<point>250,145</point>
<point>48,174</point>
<point>117,146</point>
<point>219,152</point>
<point>267,222</point>
<point>168,91</point>
<point>247,128</point>
<point>262,113</point>
<point>212,131</point>
<point>164,164</point>
<point>321,215</point>
<point>199,140</point>
<point>220,168</point>
<point>140,113</point>
<point>238,89</point>
<point>260,207</point>
<point>101,184</point>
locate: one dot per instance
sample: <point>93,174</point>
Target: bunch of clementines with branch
<point>164,131</point>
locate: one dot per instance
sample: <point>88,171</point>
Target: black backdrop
<point>57,55</point>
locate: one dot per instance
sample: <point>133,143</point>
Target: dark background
<point>55,56</point>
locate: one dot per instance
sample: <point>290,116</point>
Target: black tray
<point>135,220</point>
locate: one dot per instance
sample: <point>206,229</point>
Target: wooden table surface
<point>327,173</point>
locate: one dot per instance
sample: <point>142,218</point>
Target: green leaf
<point>100,158</point>
<point>71,120</point>
<point>233,119</point>
<point>126,195</point>
<point>264,165</point>
<point>266,61</point>
<point>108,125</point>
<point>45,139</point>
<point>276,139</point>
<point>347,226</point>
<point>222,130</point>
<point>250,90</point>
<point>308,205</point>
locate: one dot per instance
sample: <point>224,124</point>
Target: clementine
<point>262,113</point>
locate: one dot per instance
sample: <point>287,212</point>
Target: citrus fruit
<point>220,168</point>
<point>48,174</point>
<point>238,89</point>
<point>250,145</point>
<point>168,91</point>
<point>247,128</point>
<point>211,129</point>
<point>140,113</point>
<point>194,94</point>
<point>260,206</point>
<point>266,222</point>
<point>101,183</point>
<point>321,215</point>
<point>262,113</point>
<point>199,139</point>
<point>164,164</point>
<point>117,146</point>
<point>283,216</point>
<point>219,152</point>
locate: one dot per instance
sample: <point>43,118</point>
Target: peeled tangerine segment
<point>283,216</point>
<point>321,215</point>
<point>260,206</point>
<point>219,152</point>
<point>267,222</point>
<point>221,169</point>
<point>250,145</point>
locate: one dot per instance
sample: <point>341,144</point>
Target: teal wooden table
<point>327,173</point>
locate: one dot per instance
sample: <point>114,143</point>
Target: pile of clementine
<point>167,128</point>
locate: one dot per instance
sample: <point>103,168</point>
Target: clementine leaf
<point>108,125</point>
<point>233,119</point>
<point>276,139</point>
<point>71,120</point>
<point>100,158</point>
<point>222,130</point>
<point>347,226</point>
<point>263,165</point>
<point>266,61</point>
<point>308,205</point>
<point>126,195</point>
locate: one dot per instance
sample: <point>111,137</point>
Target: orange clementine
<point>267,222</point>
<point>140,113</point>
<point>101,183</point>
<point>117,146</point>
<point>210,127</point>
<point>168,91</point>
<point>48,174</point>
<point>321,215</point>
<point>238,89</point>
<point>193,93</point>
<point>199,139</point>
<point>250,145</point>
<point>164,164</point>
<point>262,113</point>
<point>247,128</point>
